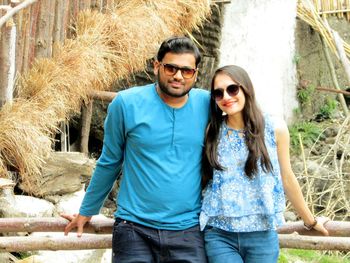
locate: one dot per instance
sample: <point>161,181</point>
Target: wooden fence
<point>97,235</point>
<point>34,32</point>
<point>339,8</point>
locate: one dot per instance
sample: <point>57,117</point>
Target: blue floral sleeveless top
<point>235,203</point>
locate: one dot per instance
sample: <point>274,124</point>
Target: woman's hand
<point>320,226</point>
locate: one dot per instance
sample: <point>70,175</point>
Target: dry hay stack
<point>107,47</point>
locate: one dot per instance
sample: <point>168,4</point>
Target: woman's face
<point>233,99</point>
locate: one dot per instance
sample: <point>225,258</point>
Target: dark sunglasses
<point>171,70</point>
<point>232,90</point>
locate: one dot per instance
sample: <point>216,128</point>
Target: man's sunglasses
<point>232,90</point>
<point>171,70</point>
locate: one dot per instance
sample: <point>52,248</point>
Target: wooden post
<point>86,115</point>
<point>7,58</point>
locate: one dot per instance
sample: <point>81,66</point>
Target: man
<point>155,135</point>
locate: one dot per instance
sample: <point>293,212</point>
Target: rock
<point>22,206</point>
<point>69,203</point>
<point>289,216</point>
<point>7,258</point>
<point>64,172</point>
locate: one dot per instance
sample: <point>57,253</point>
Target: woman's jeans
<point>248,247</point>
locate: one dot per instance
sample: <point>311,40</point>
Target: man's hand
<point>76,221</point>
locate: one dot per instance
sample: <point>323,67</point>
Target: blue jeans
<point>238,247</point>
<point>137,243</point>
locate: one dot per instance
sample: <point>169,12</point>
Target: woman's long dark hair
<point>254,128</point>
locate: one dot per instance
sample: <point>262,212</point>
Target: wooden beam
<point>20,244</point>
<point>339,239</point>
<point>52,224</point>
<point>335,228</point>
<point>103,95</point>
<point>314,243</point>
<point>103,226</point>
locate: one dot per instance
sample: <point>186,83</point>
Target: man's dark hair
<point>179,45</point>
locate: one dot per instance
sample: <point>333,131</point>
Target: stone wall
<point>312,67</point>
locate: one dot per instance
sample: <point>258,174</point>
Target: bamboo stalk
<point>334,11</point>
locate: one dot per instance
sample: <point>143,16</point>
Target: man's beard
<point>165,89</point>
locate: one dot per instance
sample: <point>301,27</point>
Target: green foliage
<point>327,110</point>
<point>300,255</point>
<point>309,132</point>
<point>305,94</point>
<point>296,59</point>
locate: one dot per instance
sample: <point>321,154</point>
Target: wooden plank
<point>29,38</point>
<point>43,43</point>
<point>4,60</point>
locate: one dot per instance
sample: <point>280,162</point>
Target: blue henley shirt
<point>158,148</point>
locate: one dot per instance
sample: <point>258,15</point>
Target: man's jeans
<point>250,247</point>
<point>136,243</point>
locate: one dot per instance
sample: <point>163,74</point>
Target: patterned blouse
<point>235,203</point>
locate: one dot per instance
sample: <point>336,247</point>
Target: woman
<point>247,170</point>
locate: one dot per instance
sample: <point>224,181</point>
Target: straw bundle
<point>106,47</point>
<point>308,13</point>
